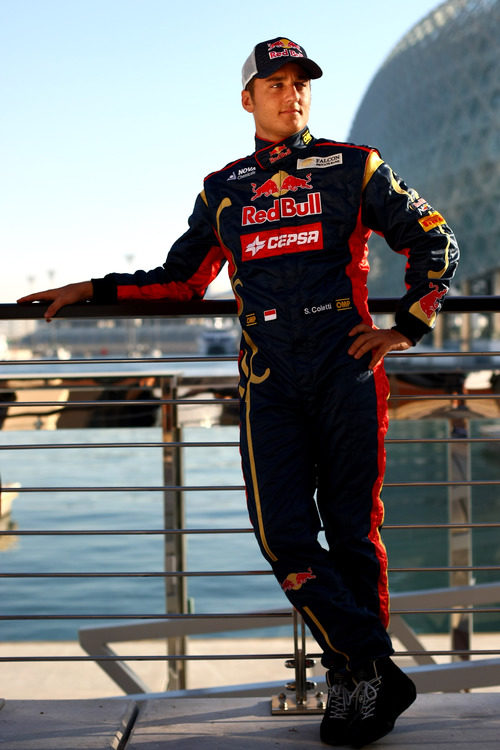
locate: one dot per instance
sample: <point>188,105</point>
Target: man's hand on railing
<point>63,295</point>
<point>377,340</point>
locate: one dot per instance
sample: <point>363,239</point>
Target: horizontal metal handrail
<point>193,532</point>
<point>213,401</point>
<point>237,487</point>
<point>226,616</point>
<point>223,657</point>
<point>225,444</point>
<point>224,573</point>
<point>193,359</point>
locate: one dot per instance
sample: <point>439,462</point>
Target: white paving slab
<point>436,722</point>
<point>64,725</point>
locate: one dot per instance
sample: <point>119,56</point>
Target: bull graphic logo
<point>285,43</point>
<point>430,302</point>
<point>294,183</point>
<point>266,189</point>
<point>279,184</point>
<point>295,581</point>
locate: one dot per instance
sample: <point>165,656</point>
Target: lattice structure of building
<point>433,110</point>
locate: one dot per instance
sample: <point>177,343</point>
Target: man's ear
<point>246,100</point>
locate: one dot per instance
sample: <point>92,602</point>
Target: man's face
<point>280,104</point>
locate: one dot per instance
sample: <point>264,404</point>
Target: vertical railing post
<point>173,513</point>
<point>460,512</point>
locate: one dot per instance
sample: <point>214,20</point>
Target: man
<point>292,221</point>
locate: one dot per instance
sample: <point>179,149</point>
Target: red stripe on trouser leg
<point>377,515</point>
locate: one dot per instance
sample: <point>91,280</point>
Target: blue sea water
<point>124,466</point>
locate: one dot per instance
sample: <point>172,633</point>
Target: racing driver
<point>292,222</point>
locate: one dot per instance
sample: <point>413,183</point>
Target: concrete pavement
<point>447,722</point>
<point>75,705</point>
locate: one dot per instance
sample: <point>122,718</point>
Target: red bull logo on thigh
<point>295,581</point>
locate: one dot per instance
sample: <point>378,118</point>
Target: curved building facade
<point>433,110</point>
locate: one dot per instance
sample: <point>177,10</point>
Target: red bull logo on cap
<point>284,48</point>
<point>295,581</point>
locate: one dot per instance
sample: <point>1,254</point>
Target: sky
<point>113,112</point>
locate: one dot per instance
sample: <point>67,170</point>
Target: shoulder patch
<point>320,162</point>
<point>431,220</point>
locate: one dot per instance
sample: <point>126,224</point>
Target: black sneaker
<point>381,693</point>
<point>334,725</point>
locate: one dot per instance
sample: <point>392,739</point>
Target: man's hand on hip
<point>378,341</point>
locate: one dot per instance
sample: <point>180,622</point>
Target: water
<point>226,509</point>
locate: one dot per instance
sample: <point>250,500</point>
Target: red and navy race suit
<point>292,221</point>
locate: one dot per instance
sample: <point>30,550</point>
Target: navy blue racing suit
<point>292,221</point>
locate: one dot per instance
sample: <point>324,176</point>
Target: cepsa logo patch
<point>282,241</point>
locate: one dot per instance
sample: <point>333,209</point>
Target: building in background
<point>433,110</point>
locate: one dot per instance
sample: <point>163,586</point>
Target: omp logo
<point>343,304</point>
<point>282,241</point>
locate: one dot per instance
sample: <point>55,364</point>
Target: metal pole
<point>175,548</point>
<point>460,511</point>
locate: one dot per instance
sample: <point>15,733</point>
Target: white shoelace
<point>339,699</point>
<point>364,697</point>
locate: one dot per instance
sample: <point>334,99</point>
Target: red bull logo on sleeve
<point>429,303</point>
<point>295,581</point>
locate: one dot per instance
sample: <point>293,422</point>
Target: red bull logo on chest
<point>282,207</point>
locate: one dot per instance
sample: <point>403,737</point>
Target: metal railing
<point>167,391</point>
